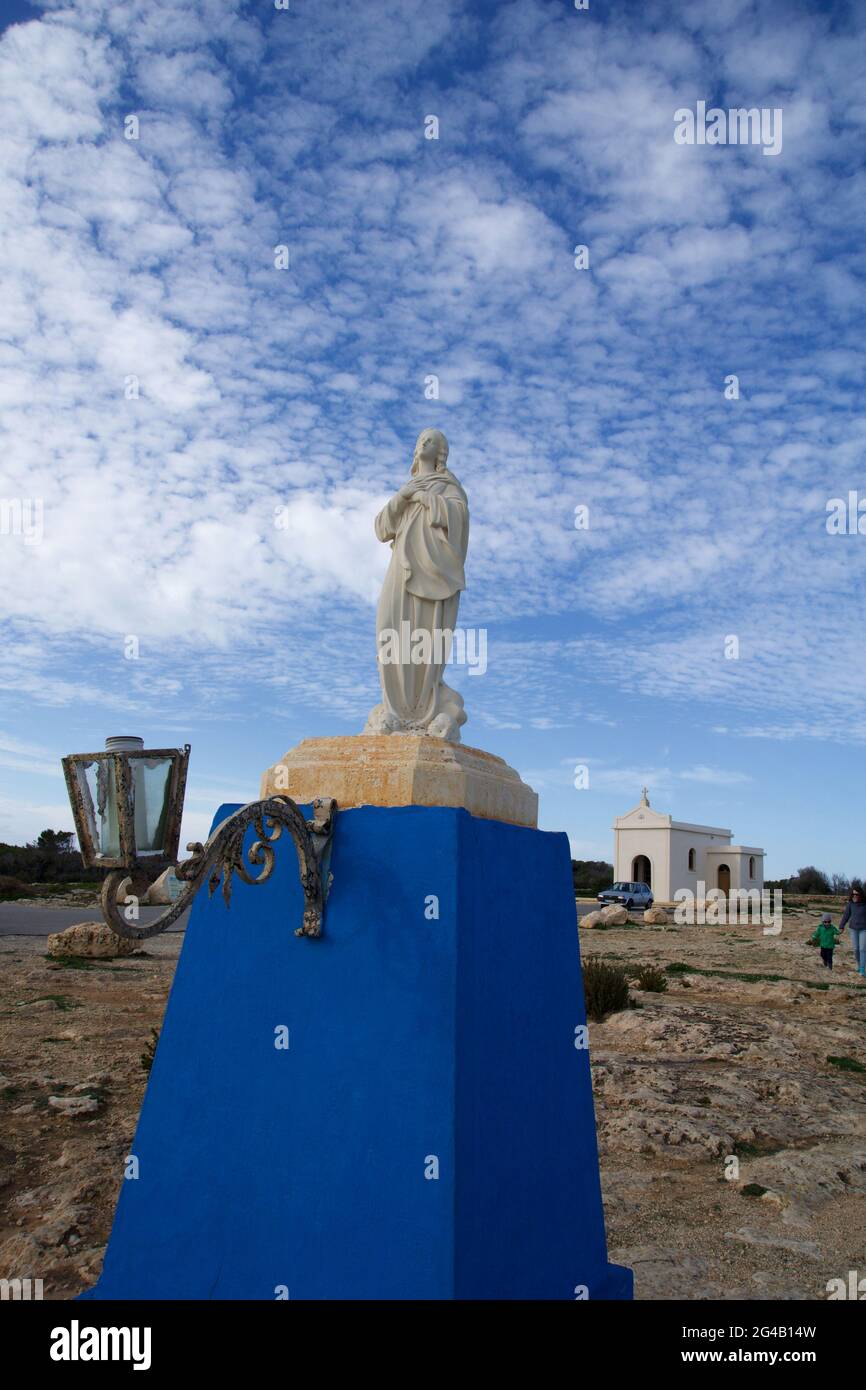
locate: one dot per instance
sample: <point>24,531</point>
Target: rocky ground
<point>71,1085</point>
<point>733,1151</point>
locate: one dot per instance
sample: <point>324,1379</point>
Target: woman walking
<point>854,917</point>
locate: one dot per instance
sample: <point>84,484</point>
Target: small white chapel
<point>650,847</point>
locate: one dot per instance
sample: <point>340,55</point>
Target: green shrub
<point>11,887</point>
<point>605,988</point>
<point>652,978</point>
<point>846,1063</point>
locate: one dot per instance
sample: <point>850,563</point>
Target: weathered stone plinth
<point>403,770</point>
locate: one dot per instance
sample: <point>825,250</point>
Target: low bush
<point>652,978</point>
<point>13,888</point>
<point>605,988</point>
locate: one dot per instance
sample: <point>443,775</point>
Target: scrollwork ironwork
<point>223,856</point>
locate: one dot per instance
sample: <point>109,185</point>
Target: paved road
<point>23,920</point>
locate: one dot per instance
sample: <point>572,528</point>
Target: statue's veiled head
<point>431,448</point>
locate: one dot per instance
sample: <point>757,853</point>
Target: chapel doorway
<point>724,879</point>
<point>641,870</point>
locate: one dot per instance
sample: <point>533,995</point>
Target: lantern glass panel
<point>152,782</point>
<point>102,808</point>
<point>87,782</point>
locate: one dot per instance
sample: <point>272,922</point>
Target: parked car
<point>629,894</point>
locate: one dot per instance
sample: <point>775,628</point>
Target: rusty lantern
<point>127,803</point>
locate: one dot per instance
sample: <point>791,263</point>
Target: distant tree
<point>810,880</point>
<point>49,859</point>
<point>590,876</point>
<point>55,841</point>
<point>840,883</point>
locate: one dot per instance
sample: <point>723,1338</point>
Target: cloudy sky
<point>169,394</point>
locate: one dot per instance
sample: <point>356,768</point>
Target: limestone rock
<point>655,917</point>
<point>661,1273</point>
<point>74,1105</point>
<point>773,1199</point>
<point>811,1177</point>
<point>20,1256</point>
<point>591,919</point>
<point>166,890</point>
<point>748,1236</point>
<point>89,939</point>
<point>615,915</point>
<point>60,1230</point>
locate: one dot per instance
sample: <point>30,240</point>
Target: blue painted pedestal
<point>429,1131</point>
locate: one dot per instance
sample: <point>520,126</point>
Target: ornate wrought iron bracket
<point>223,856</point>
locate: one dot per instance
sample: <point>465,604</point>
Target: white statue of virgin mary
<point>427,524</point>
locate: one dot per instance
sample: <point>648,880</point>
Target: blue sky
<point>304,389</point>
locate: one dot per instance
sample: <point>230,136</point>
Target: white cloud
<point>305,389</point>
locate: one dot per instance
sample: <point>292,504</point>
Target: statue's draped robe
<point>422,587</point>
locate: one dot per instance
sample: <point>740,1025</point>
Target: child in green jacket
<point>826,936</point>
